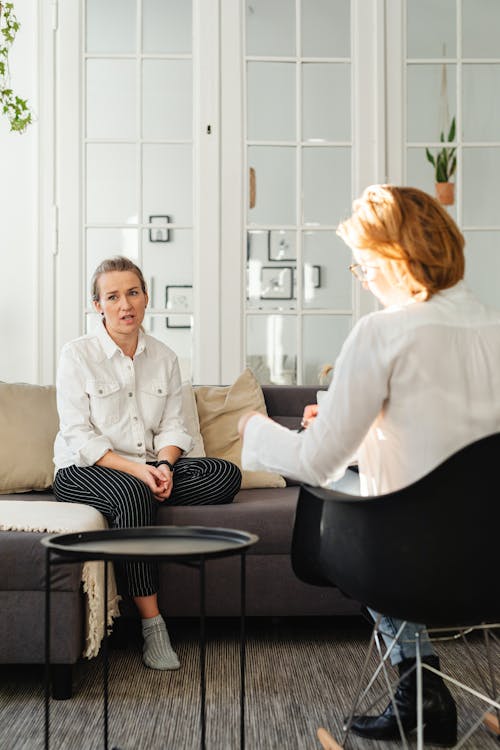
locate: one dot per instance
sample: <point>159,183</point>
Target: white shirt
<point>108,401</point>
<point>412,385</point>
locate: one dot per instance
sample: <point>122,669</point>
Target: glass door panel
<point>167,115</point>
<point>167,27</point>
<point>272,348</point>
<point>271,101</point>
<point>326,280</point>
<point>299,162</point>
<point>270,28</point>
<point>325,117</point>
<point>323,336</point>
<point>482,265</point>
<point>111,104</point>
<point>452,73</point>
<point>326,28</point>
<point>138,149</point>
<point>111,26</point>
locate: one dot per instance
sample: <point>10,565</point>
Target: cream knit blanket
<point>57,517</point>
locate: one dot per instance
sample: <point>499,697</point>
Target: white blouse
<point>412,385</point>
<point>108,401</point>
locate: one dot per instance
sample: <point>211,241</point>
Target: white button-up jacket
<point>108,401</point>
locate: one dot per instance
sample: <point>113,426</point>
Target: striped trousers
<point>126,501</point>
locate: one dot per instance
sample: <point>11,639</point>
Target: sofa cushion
<point>219,409</point>
<point>190,414</point>
<point>28,426</point>
<point>270,514</point>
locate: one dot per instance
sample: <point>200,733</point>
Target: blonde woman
<point>414,382</point>
<point>122,438</point>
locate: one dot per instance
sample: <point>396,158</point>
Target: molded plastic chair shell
<point>427,553</point>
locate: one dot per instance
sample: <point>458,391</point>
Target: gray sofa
<point>272,588</point>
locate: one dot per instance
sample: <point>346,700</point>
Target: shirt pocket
<point>154,399</point>
<point>104,400</point>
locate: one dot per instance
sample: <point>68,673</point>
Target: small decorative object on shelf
<point>13,107</point>
<point>445,164</point>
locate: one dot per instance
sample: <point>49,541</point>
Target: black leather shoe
<point>439,710</point>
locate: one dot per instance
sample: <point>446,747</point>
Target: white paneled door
<point>217,143</point>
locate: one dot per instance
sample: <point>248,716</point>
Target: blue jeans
<point>405,647</point>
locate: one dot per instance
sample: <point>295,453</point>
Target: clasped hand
<point>159,479</point>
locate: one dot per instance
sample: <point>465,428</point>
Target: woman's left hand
<point>165,484</point>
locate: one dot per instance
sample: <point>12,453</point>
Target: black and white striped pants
<point>126,501</point>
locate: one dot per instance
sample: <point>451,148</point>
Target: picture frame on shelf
<point>277,282</point>
<point>315,275</point>
<point>179,298</point>
<point>158,231</point>
<point>178,321</point>
<point>282,245</point>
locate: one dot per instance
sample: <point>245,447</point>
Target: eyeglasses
<point>363,272</point>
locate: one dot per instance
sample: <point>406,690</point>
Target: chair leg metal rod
<point>461,685</point>
<point>347,724</point>
<point>360,696</point>
<point>420,686</point>
<point>391,694</point>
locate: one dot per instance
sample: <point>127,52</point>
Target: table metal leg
<point>47,648</point>
<point>105,666</point>
<point>242,649</point>
<point>202,654</point>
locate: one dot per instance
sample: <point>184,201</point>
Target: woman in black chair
<point>414,383</point>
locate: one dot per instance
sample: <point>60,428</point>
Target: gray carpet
<point>301,675</point>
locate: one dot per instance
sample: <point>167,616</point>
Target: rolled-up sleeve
<point>172,430</point>
<point>321,453</point>
<point>75,427</point>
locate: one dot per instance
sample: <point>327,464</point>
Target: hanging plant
<point>15,108</point>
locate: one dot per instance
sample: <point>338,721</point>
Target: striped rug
<point>300,675</point>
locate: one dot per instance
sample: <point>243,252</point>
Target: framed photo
<point>158,232</point>
<point>258,244</point>
<point>179,299</point>
<point>179,321</point>
<point>312,275</point>
<point>276,283</point>
<point>282,245</point>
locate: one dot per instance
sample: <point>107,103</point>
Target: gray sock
<point>157,652</point>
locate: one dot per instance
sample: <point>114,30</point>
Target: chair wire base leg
<point>361,695</point>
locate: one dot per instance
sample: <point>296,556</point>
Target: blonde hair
<point>118,263</point>
<point>421,244</point>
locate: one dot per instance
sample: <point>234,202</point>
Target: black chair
<point>426,553</point>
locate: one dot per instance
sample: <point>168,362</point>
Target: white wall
<point>19,214</point>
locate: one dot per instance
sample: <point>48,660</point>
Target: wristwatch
<point>167,463</point>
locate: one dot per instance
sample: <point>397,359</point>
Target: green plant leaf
<point>430,157</point>
<point>451,134</point>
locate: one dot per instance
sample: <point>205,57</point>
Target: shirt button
<point>135,419</point>
<point>100,390</point>
<point>160,390</point>
<point>139,445</point>
<point>130,394</point>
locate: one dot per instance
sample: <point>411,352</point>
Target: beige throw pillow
<point>219,409</point>
<point>191,421</point>
<point>28,426</point>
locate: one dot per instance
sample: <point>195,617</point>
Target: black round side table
<point>187,545</point>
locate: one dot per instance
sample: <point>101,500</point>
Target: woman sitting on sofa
<point>122,437</point>
<point>414,383</point>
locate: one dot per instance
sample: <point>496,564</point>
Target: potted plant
<point>445,164</point>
